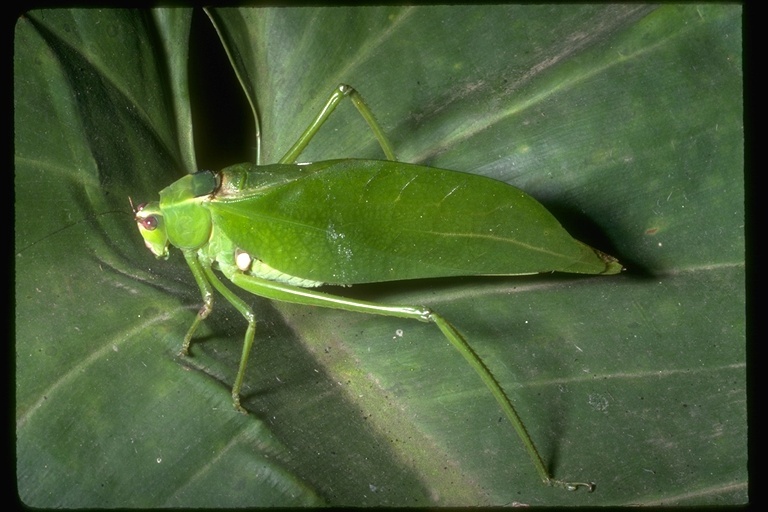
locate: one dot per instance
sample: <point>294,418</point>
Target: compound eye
<point>149,223</point>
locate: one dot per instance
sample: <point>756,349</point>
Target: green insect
<point>280,231</point>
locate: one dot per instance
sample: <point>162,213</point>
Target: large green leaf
<point>625,121</point>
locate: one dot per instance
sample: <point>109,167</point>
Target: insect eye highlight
<point>149,223</point>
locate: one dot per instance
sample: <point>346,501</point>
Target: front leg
<point>207,293</point>
<point>206,279</point>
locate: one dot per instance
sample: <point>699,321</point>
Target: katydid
<point>279,231</point>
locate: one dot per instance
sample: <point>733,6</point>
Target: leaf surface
<point>624,121</point>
